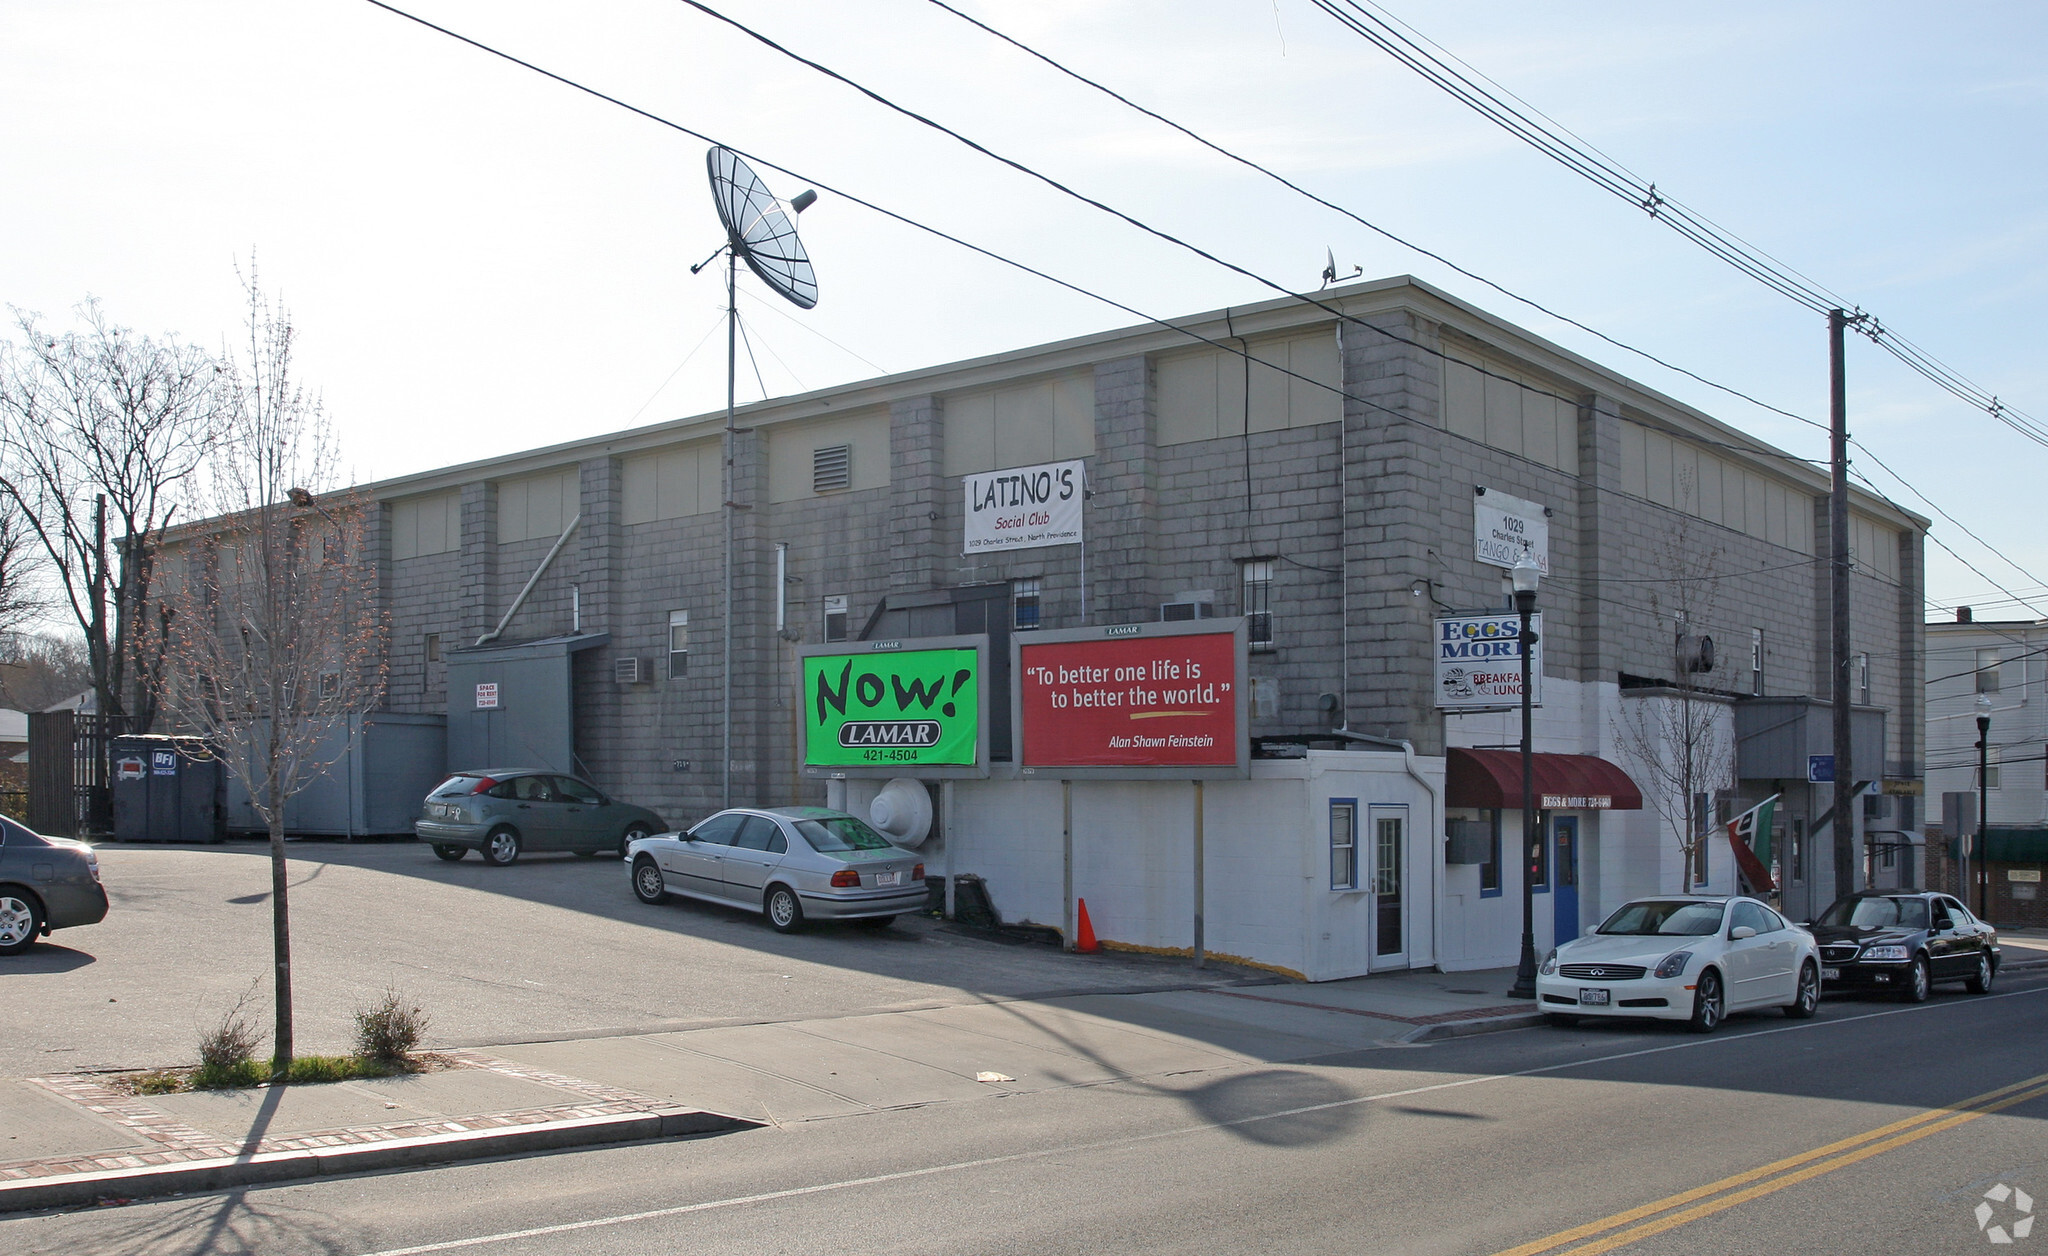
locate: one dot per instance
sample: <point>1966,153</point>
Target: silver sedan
<point>791,864</point>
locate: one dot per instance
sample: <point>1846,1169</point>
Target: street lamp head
<point>1525,574</point>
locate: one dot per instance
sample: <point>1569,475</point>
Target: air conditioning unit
<point>1177,612</point>
<point>1696,653</point>
<point>631,671</point>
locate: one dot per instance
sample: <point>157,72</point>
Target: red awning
<point>1564,782</point>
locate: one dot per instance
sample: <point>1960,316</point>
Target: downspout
<point>531,580</point>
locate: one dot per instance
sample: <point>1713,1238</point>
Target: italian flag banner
<point>1750,835</point>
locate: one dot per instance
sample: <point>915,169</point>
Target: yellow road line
<point>1835,1155</point>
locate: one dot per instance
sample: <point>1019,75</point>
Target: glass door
<point>1387,830</point>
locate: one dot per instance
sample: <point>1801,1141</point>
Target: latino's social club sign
<point>1133,700</point>
<point>1024,507</point>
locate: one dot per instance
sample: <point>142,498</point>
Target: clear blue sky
<point>479,260</point>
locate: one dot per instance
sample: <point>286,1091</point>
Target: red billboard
<point>1135,697</point>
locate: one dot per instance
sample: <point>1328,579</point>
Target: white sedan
<point>1682,957</point>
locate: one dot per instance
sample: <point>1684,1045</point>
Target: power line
<point>1574,154</point>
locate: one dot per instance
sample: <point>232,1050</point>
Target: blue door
<point>1564,895</point>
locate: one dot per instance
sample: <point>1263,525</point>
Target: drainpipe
<point>531,580</point>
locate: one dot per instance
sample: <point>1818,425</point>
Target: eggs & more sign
<point>1479,662</point>
<point>1024,507</point>
<point>882,709</point>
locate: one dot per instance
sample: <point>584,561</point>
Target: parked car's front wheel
<point>634,832</point>
<point>21,920</point>
<point>1980,981</point>
<point>501,847</point>
<point>1707,1007</point>
<point>647,882</point>
<point>784,911</point>
<point>1919,982</point>
<point>450,853</point>
<point>1807,1000</point>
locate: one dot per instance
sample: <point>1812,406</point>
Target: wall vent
<point>831,468</point>
<point>631,671</point>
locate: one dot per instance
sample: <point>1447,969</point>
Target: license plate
<point>1592,997</point>
<point>888,878</point>
<point>1830,974</point>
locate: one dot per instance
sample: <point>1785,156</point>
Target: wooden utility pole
<point>1841,820</point>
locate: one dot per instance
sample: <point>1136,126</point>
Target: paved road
<point>1773,1136</point>
<point>553,946</point>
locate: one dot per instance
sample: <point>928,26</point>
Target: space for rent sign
<point>1479,662</point>
<point>896,708</point>
<point>1024,507</point>
<point>1132,700</point>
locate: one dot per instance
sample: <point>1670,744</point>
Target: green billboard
<point>888,709</point>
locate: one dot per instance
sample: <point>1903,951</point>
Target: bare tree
<point>38,670</point>
<point>99,431</point>
<point>1680,740</point>
<point>276,637</point>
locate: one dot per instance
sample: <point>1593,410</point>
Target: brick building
<point>1330,493</point>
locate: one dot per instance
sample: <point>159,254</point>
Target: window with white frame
<point>433,644</point>
<point>1343,843</point>
<point>1863,679</point>
<point>1024,595</point>
<point>678,644</point>
<point>1991,767</point>
<point>835,617</point>
<point>1987,670</point>
<point>1256,576</point>
<point>1756,662</point>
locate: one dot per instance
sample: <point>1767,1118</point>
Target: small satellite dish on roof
<point>757,230</point>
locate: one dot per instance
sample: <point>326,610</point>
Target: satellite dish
<point>903,812</point>
<point>759,232</point>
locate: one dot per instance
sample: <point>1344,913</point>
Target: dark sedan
<point>503,812</point>
<point>45,883</point>
<point>1904,941</point>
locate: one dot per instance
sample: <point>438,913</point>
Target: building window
<point>1539,855</point>
<point>433,647</point>
<point>1024,599</point>
<point>678,644</point>
<point>1489,872</point>
<point>1343,843</point>
<point>1987,671</point>
<point>835,617</point>
<point>1386,869</point>
<point>831,468</point>
<point>1991,767</point>
<point>1756,662</point>
<point>1863,679</point>
<point>1257,574</point>
<point>330,686</point>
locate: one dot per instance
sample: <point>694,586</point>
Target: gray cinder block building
<point>1337,493</point>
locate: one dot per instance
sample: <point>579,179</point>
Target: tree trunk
<point>280,936</point>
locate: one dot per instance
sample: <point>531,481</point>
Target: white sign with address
<point>1503,528</point>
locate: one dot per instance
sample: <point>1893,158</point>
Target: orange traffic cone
<point>1084,941</point>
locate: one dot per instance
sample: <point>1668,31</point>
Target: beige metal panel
<point>1465,402</point>
<point>537,505</point>
<point>1685,476</point>
<point>790,446</point>
<point>636,489</point>
<point>1187,397</point>
<point>671,483</point>
<point>426,525</point>
<point>970,427</point>
<point>1314,358</point>
<point>1024,425</point>
<point>1539,425</point>
<point>1657,454</point>
<point>1073,416</point>
<point>1712,496</point>
<point>1503,411</point>
<point>1265,410</point>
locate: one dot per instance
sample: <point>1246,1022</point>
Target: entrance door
<point>1387,828</point>
<point>1564,894</point>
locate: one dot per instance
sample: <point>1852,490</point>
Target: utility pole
<point>1840,817</point>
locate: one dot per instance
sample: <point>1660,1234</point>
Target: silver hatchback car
<point>791,864</point>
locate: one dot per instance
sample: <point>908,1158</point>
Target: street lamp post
<point>1983,802</point>
<point>1526,575</point>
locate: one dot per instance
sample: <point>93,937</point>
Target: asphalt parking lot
<point>553,946</point>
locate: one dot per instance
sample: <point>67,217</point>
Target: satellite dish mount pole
<point>732,328</point>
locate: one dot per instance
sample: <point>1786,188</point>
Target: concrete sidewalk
<point>67,1139</point>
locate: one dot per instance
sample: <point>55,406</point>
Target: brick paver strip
<point>178,1143</point>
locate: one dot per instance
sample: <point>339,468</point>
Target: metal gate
<point>69,774</point>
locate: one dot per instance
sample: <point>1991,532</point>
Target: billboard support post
<point>1198,874</point>
<point>946,840</point>
<point>1067,865</point>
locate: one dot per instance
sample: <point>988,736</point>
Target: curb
<point>1467,1028</point>
<point>282,1166</point>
